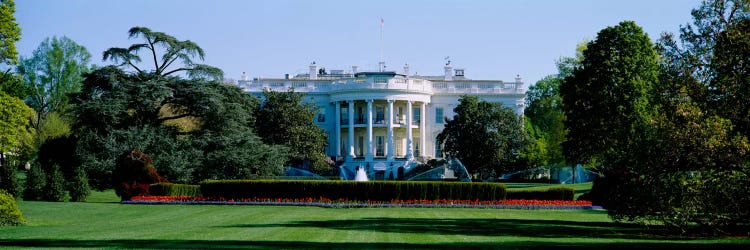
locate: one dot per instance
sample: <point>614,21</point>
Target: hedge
<point>351,190</point>
<point>172,189</point>
<point>557,193</point>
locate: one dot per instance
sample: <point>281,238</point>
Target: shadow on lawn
<point>485,227</point>
<point>203,244</point>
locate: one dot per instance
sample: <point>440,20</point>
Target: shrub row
<point>172,189</point>
<point>557,193</point>
<point>351,190</point>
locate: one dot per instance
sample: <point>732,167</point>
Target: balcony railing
<point>417,85</point>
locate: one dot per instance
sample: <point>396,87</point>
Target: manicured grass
<point>104,223</point>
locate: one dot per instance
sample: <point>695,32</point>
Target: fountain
<point>299,174</point>
<point>554,174</point>
<point>361,175</point>
<point>451,170</point>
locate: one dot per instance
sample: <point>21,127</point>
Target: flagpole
<point>382,23</point>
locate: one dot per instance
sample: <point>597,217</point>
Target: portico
<point>379,122</point>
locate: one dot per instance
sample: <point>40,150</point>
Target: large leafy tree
<point>606,99</point>
<point>285,119</point>
<point>14,131</point>
<point>544,115</point>
<point>10,33</point>
<point>194,128</point>
<point>696,145</point>
<point>54,71</point>
<point>485,136</point>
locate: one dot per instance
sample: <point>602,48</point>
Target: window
<point>361,146</point>
<point>416,117</point>
<point>438,152</point>
<point>416,146</point>
<point>380,146</point>
<point>379,114</point>
<point>322,115</point>
<point>344,116</point>
<point>439,119</point>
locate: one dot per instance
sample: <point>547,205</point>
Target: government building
<point>385,121</point>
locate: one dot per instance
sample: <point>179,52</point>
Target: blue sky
<point>490,39</point>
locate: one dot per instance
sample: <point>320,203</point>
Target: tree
<point>14,131</point>
<point>544,115</point>
<point>284,119</point>
<point>485,136</point>
<point>195,129</point>
<point>54,71</point>
<point>171,49</point>
<point>606,100</point>
<point>10,33</point>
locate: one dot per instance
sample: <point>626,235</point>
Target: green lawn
<point>104,223</point>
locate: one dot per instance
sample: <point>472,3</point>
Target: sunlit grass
<point>104,223</point>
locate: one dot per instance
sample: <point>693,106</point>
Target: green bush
<point>351,190</point>
<point>171,189</point>
<point>8,180</point>
<point>557,193</point>
<point>55,188</point>
<point>79,187</point>
<point>9,212</point>
<point>36,181</point>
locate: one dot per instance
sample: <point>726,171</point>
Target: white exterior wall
<point>325,92</point>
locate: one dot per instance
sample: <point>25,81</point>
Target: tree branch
<point>175,117</point>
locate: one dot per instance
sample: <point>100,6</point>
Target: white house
<point>386,121</point>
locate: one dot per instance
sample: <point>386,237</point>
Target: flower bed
<point>323,202</point>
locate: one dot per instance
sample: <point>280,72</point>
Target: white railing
<point>416,85</point>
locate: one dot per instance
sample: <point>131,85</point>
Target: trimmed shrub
<point>171,189</point>
<point>9,212</point>
<point>133,173</point>
<point>36,181</point>
<point>351,190</point>
<point>79,187</point>
<point>557,193</point>
<point>55,188</point>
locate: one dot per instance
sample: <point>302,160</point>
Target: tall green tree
<point>14,131</point>
<point>485,136</point>
<point>712,50</point>
<point>606,100</point>
<point>54,71</point>
<point>544,115</point>
<point>10,33</point>
<point>283,118</point>
<point>195,128</point>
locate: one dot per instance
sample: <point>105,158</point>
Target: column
<point>337,116</point>
<point>423,129</point>
<point>409,139</point>
<point>369,155</point>
<point>351,130</point>
<point>390,130</point>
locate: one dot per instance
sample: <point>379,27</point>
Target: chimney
<point>244,76</point>
<point>354,69</point>
<point>448,71</point>
<point>313,70</point>
<point>406,69</point>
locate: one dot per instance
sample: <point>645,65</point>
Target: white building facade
<point>382,121</point>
